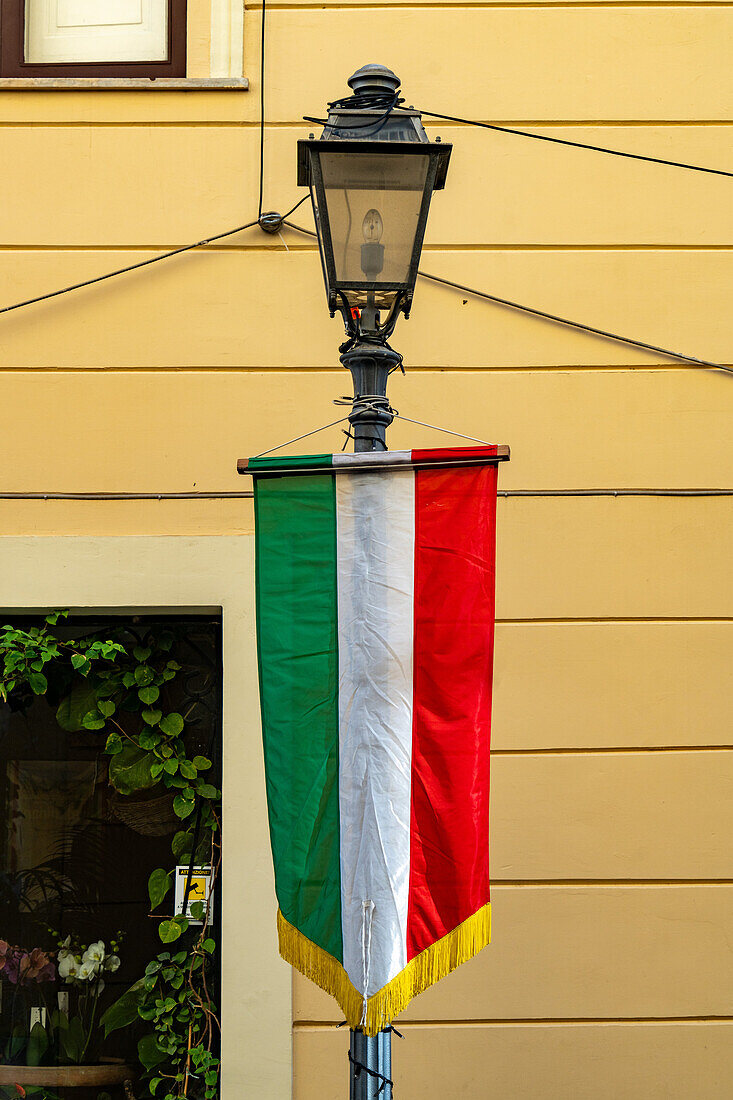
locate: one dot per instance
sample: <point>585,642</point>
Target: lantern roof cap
<point>374,79</point>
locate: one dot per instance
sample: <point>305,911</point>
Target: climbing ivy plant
<point>118,693</point>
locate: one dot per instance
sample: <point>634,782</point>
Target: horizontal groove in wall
<point>553,1021</point>
<point>518,6</point>
<point>625,750</point>
<point>244,124</point>
<point>533,368</point>
<point>608,883</point>
<point>622,619</point>
<point>292,246</point>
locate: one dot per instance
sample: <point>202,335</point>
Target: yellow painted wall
<point>610,970</point>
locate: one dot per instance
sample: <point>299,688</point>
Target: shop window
<point>93,38</point>
<point>77,849</point>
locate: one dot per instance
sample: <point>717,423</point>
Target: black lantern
<point>371,175</point>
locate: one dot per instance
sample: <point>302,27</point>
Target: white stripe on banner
<point>387,458</point>
<point>375,535</point>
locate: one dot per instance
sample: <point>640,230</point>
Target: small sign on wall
<point>199,890</point>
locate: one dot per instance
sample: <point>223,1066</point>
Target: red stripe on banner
<point>455,556</point>
<point>450,454</point>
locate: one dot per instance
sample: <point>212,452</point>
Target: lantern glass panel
<point>373,202</point>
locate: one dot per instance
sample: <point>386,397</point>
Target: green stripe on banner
<point>298,651</point>
<point>300,462</point>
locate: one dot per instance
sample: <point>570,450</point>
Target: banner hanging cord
<point>297,438</point>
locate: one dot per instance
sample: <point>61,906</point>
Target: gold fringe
<point>424,970</point>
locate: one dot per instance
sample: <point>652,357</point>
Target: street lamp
<point>371,175</point>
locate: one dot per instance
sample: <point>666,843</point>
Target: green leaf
<point>37,1045</point>
<point>172,724</point>
<point>124,1011</point>
<point>149,1053</point>
<point>207,791</point>
<point>182,807</point>
<point>148,695</point>
<point>201,764</point>
<point>171,766</point>
<point>106,707</point>
<point>159,884</point>
<point>38,685</point>
<point>114,744</point>
<point>78,660</point>
<point>72,709</point>
<point>93,721</point>
<point>152,716</point>
<point>197,910</point>
<point>174,665</point>
<point>144,675</point>
<point>141,653</point>
<point>154,1082</point>
<point>209,946</point>
<point>187,769</point>
<point>156,768</point>
<point>130,770</point>
<point>72,1040</point>
<point>169,931</point>
<point>181,844</point>
<point>148,739</point>
<point>128,680</point>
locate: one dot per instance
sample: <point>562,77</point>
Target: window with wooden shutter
<point>94,38</point>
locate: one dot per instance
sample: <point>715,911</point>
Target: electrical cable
<point>246,494</point>
<point>262,107</point>
<point>282,220</point>
<point>578,144</point>
<point>124,270</point>
<point>373,101</point>
<point>577,324</point>
<point>555,318</point>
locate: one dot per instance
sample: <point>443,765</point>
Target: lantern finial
<point>373,79</point>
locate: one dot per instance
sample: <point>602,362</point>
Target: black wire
<point>262,106</point>
<point>370,102</point>
<point>577,324</point>
<point>558,320</point>
<point>294,208</point>
<point>124,270</point>
<point>247,494</point>
<point>578,144</point>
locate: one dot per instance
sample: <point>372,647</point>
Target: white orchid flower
<point>68,966</point>
<point>87,972</point>
<point>95,954</point>
<point>112,963</point>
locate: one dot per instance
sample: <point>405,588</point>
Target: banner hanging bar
<point>359,463</point>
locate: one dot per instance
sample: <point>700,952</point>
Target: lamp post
<point>371,175</point>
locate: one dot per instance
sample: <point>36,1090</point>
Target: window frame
<point>14,64</point>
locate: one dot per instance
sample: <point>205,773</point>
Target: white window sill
<point>122,84</point>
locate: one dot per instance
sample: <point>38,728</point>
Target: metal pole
<point>370,366</point>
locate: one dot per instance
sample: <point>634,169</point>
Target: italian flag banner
<point>375,608</point>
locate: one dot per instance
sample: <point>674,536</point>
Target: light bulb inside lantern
<point>372,227</point>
